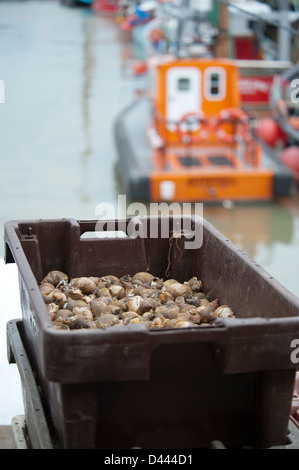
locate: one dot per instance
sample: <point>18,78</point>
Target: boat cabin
<point>190,88</point>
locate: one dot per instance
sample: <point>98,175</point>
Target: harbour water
<point>67,74</point>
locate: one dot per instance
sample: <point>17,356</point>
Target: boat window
<point>215,83</point>
<point>184,84</point>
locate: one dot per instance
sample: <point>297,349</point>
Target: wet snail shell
<point>62,314</point>
<point>159,322</point>
<point>145,306</point>
<point>72,303</point>
<point>46,288</point>
<point>205,314</point>
<point>62,285</point>
<point>135,320</point>
<point>110,279</point>
<point>84,312</point>
<point>195,284</point>
<point>142,291</point>
<point>102,292</point>
<point>76,322</point>
<point>157,284</point>
<point>86,285</point>
<point>224,312</point>
<point>198,295</point>
<point>169,312</point>
<point>163,297</point>
<point>180,301</point>
<point>193,301</point>
<point>169,282</point>
<point>134,303</point>
<point>58,325</point>
<point>102,302</point>
<point>179,290</point>
<point>52,310</point>
<point>127,317</point>
<point>144,277</point>
<point>194,317</point>
<point>88,298</point>
<point>107,319</point>
<point>180,323</point>
<point>123,304</point>
<point>75,293</point>
<point>116,290</point>
<point>58,297</point>
<point>96,280</point>
<point>113,309</point>
<point>54,277</point>
<point>98,305</point>
<point>127,285</point>
<point>103,284</point>
<point>186,308</point>
<point>148,316</point>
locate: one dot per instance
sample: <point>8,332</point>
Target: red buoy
<point>126,25</point>
<point>290,157</point>
<point>269,132</point>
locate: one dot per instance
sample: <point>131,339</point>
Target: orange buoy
<point>290,157</point>
<point>156,35</point>
<point>269,132</point>
<point>140,67</point>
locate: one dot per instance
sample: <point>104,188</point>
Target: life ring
<point>240,118</point>
<point>197,136</point>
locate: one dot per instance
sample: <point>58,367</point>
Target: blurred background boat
<point>175,144</point>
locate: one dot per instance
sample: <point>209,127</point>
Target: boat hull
<point>177,174</point>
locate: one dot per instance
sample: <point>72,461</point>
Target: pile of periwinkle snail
<point>107,301</point>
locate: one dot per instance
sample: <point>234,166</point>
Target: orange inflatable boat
<point>189,140</point>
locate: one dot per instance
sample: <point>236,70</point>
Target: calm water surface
<point>67,75</point>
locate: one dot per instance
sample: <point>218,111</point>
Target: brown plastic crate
<point>125,387</point>
<point>34,429</point>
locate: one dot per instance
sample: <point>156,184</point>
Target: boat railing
<point>211,130</point>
